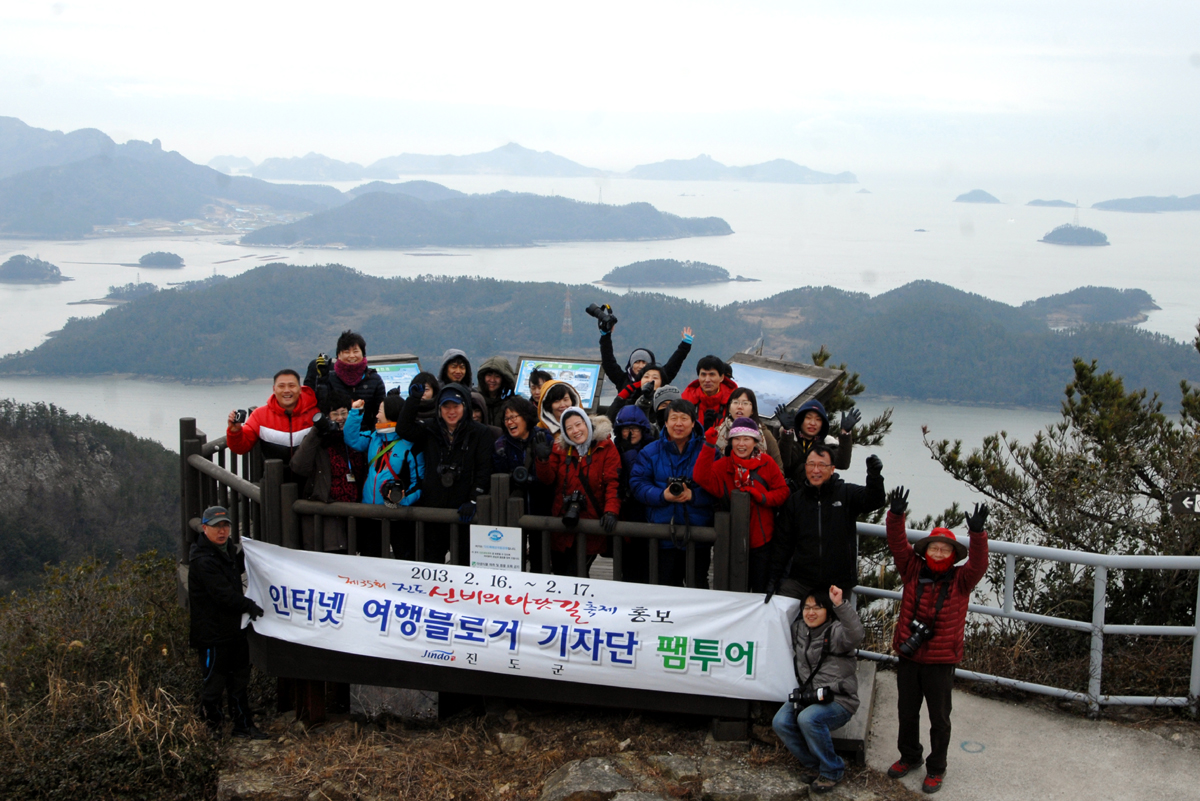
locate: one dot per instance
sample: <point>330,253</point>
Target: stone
<point>511,743</point>
<point>753,784</point>
<point>642,797</point>
<point>593,779</point>
<point>714,766</point>
<point>675,767</point>
<point>511,716</point>
<point>847,793</point>
<point>255,786</point>
<point>714,746</point>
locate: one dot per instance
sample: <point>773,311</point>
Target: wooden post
<point>500,485</point>
<point>289,493</point>
<point>271,523</point>
<point>189,499</point>
<point>739,542</point>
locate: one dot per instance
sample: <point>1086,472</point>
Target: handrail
<point>370,511</point>
<point>640,530</point>
<point>205,466</point>
<point>209,448</point>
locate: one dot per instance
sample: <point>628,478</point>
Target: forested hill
<point>72,486</point>
<point>923,340</point>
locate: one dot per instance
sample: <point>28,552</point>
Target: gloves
<point>874,465</point>
<point>466,512</point>
<point>647,387</point>
<point>322,366</point>
<point>687,337</point>
<point>416,389</point>
<point>629,390</point>
<point>786,419</point>
<point>850,419</point>
<point>757,494</point>
<point>710,418</point>
<point>255,611</point>
<point>898,498</point>
<point>542,446</point>
<point>977,520</point>
<point>608,522</point>
<point>772,588</point>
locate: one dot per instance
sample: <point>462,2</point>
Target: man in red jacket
<point>929,632</point>
<point>710,392</point>
<point>280,425</point>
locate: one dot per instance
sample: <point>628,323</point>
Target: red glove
<point>710,436</point>
<point>629,389</point>
<point>757,494</point>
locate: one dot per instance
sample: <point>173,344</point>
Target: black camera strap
<point>583,480</point>
<point>941,599</point>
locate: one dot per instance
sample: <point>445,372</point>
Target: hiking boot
<point>251,732</point>
<point>932,783</point>
<point>808,775</point>
<point>823,784</point>
<point>899,768</point>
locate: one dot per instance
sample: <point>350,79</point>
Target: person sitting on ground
<point>557,397</point>
<point>280,425</point>
<point>746,469</point>
<point>458,461</point>
<point>662,481</point>
<point>394,473</point>
<point>824,639</point>
<point>455,369</point>
<point>710,392</point>
<point>536,379</point>
<point>334,473</point>
<point>632,433</point>
<point>584,468</point>
<point>349,373</point>
<point>497,382</point>
<point>816,531</point>
<point>428,409</point>
<point>744,403</point>
<point>807,425</point>
<point>639,358</point>
<point>930,630</point>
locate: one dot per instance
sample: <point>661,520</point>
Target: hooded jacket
<point>945,647</point>
<point>545,413</point>
<point>369,389</point>
<point>710,403</point>
<point>215,599</point>
<point>389,458</point>
<point>279,430</point>
<point>595,473</point>
<point>466,454</point>
<point>816,531</point>
<point>659,462</point>
<point>631,510</point>
<point>620,377</point>
<point>794,447</point>
<point>508,384</point>
<point>839,669</point>
<point>758,476</point>
<point>448,357</point>
<point>480,403</point>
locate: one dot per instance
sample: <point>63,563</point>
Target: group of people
<point>660,454</point>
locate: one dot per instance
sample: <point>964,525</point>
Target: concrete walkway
<point>1001,750</point>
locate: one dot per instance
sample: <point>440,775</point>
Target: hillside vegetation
<point>666,272</point>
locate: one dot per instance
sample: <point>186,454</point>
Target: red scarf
<point>350,374</point>
<point>742,478</point>
<point>940,565</point>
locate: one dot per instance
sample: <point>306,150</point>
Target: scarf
<point>742,467</point>
<point>350,374</point>
<point>940,566</point>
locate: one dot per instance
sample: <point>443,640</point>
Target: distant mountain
<point>1150,204</point>
<point>23,147</point>
<point>510,159</point>
<point>706,168</point>
<point>231,164</point>
<point>313,167</point>
<point>1057,204</point>
<point>388,220</point>
<point>1075,235</point>
<point>976,196</point>
<point>1093,304</point>
<point>422,190</point>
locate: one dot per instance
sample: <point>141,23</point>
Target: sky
<point>1067,89</point>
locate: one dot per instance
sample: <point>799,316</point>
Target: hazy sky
<point>1045,89</point>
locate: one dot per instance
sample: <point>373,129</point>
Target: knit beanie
<point>745,427</point>
<point>666,394</point>
<point>641,355</point>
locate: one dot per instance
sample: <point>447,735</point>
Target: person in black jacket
<point>349,373</point>
<point>639,358</point>
<point>458,459</point>
<point>816,540</point>
<point>216,604</point>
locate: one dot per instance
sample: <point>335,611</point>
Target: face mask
<point>940,565</point>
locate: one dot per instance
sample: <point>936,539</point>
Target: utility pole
<point>567,329</point>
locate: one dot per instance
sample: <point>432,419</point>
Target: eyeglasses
<point>808,608</point>
<point>817,466</point>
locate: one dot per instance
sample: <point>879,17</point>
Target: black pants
<point>672,565</point>
<point>932,684</point>
<point>563,563</point>
<point>790,588</point>
<point>635,559</point>
<point>760,563</point>
<point>225,669</point>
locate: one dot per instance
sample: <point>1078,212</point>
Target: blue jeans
<point>807,736</point>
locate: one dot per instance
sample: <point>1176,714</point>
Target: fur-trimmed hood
<point>600,427</point>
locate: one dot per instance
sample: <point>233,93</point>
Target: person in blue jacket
<point>394,472</point>
<point>682,504</point>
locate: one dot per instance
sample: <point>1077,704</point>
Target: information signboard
<point>397,370</point>
<point>496,547</point>
<point>583,374</point>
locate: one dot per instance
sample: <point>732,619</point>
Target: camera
<point>520,474</point>
<point>239,417</point>
<point>393,494</point>
<point>801,697</point>
<point>572,506</point>
<point>448,473</point>
<point>604,316</point>
<point>324,425</point>
<point>920,634</point>
<point>677,486</point>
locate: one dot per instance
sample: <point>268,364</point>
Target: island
<point>22,269</point>
<point>668,272</point>
<point>1055,204</point>
<point>1150,205</point>
<point>162,259</point>
<point>118,295</point>
<point>706,168</point>
<point>976,196</point>
<point>1069,234</point>
<point>1090,305</point>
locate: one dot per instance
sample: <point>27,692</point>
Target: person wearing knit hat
<point>930,630</point>
<point>746,469</point>
<point>638,358</point>
<point>663,397</point>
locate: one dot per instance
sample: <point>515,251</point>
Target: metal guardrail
<point>1100,564</point>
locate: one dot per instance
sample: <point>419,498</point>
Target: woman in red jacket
<point>746,468</point>
<point>929,632</point>
<point>584,468</point>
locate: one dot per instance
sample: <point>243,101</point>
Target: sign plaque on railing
<point>496,547</point>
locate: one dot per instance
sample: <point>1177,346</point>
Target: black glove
<point>416,389</point>
<point>647,388</point>
<point>786,419</point>
<point>977,520</point>
<point>322,366</point>
<point>898,498</point>
<point>874,465</point>
<point>608,522</point>
<point>542,446</point>
<point>710,419</point>
<point>254,610</point>
<point>850,419</point>
<point>466,512</point>
<point>772,588</point>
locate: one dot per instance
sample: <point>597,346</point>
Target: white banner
<point>590,631</point>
